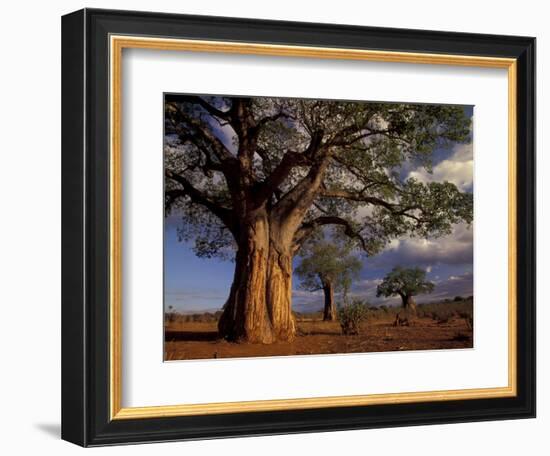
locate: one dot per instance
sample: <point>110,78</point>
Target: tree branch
<point>209,164</point>
<point>303,192</point>
<point>308,227</point>
<point>205,105</point>
<point>358,196</point>
<point>198,197</point>
<point>219,149</point>
<point>280,114</point>
<point>395,209</point>
<point>289,161</point>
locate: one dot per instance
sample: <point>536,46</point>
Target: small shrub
<point>351,316</point>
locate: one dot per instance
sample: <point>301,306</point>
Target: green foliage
<point>352,315</point>
<point>363,192</point>
<point>327,262</point>
<point>438,205</point>
<point>404,282</point>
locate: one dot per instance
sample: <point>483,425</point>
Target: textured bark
<point>259,307</point>
<point>279,293</point>
<point>245,317</point>
<point>329,313</point>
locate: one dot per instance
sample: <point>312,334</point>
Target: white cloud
<point>367,284</point>
<point>454,285</point>
<point>457,169</point>
<point>455,248</point>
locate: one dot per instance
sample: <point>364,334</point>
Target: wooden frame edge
<point>115,214</point>
<point>512,227</point>
<point>116,45</point>
<point>164,411</point>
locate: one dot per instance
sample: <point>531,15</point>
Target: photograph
<point>297,226</point>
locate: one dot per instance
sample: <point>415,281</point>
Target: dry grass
<point>438,326</point>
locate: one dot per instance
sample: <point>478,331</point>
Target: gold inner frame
<point>117,44</point>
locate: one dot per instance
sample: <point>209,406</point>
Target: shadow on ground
<point>188,336</point>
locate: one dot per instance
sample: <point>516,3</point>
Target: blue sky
<point>195,284</point>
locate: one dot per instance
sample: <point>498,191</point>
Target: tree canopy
<point>327,262</point>
<point>336,163</point>
<point>404,282</point>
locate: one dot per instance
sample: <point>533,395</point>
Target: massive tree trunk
<point>329,314</point>
<point>259,307</point>
<point>245,317</point>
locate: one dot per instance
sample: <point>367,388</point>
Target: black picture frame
<point>85,224</point>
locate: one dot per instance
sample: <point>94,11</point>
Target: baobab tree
<point>406,283</point>
<point>253,178</point>
<point>329,267</point>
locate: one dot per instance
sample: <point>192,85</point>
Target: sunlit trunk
<point>279,293</point>
<point>245,317</point>
<point>259,307</point>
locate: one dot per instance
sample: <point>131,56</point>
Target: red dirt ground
<point>195,340</point>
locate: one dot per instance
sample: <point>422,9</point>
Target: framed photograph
<point>274,227</point>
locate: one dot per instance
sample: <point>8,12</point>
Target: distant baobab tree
<point>405,283</point>
<point>328,266</point>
